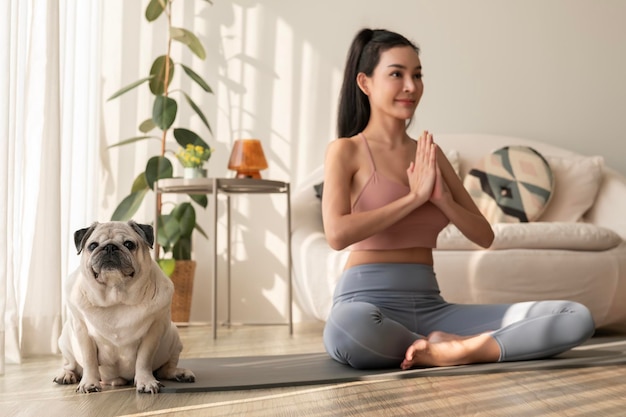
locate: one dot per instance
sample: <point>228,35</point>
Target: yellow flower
<point>193,156</point>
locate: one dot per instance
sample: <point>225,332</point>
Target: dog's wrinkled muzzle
<point>112,258</point>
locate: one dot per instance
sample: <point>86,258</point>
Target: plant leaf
<point>133,140</point>
<point>157,74</point>
<point>169,232</point>
<point>164,112</point>
<point>161,235</point>
<point>201,199</point>
<point>185,137</point>
<point>147,125</point>
<point>140,183</point>
<point>129,206</point>
<point>198,111</point>
<point>128,88</point>
<point>195,77</point>
<point>157,168</point>
<point>202,232</point>
<point>167,266</point>
<point>154,9</point>
<point>182,249</point>
<point>175,231</point>
<point>186,216</point>
<point>184,36</point>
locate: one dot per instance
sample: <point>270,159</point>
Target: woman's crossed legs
<point>363,335</point>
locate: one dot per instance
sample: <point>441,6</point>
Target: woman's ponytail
<point>354,107</point>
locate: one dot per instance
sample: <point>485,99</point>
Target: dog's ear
<point>145,231</point>
<point>81,236</point>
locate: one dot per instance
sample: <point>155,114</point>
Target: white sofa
<point>575,250</point>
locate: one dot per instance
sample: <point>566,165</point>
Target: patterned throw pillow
<point>512,184</point>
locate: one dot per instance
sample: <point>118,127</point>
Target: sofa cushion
<point>576,184</point>
<point>556,235</point>
<point>512,184</point>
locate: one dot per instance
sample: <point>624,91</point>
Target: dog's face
<point>114,253</point>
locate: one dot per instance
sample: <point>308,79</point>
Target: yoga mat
<point>257,372</point>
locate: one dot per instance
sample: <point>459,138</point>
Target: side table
<point>229,187</point>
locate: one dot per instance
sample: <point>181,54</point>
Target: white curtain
<point>49,137</point>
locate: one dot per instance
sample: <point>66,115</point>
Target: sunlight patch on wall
<point>282,128</point>
<point>276,295</point>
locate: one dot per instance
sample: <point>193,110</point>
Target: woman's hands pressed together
<point>441,194</point>
<point>425,179</point>
<point>423,172</point>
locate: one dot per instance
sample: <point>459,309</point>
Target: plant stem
<point>168,13</point>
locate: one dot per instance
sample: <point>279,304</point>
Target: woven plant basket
<point>183,289</point>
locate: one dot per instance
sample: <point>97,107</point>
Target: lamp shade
<point>247,158</point>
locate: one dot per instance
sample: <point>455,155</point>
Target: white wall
<point>550,70</point>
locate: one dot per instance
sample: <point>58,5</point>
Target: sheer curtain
<point>49,136</point>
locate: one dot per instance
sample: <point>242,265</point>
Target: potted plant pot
<point>182,277</point>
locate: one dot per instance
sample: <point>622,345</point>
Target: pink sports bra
<point>419,228</point>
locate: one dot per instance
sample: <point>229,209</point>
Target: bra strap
<point>369,151</point>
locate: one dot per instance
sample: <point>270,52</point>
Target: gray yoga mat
<point>256,372</point>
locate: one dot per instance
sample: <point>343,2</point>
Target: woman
<point>388,196</point>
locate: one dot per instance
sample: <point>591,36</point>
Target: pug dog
<point>118,326</point>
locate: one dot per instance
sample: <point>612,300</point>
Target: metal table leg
<point>214,268</point>
<point>289,265</point>
<point>228,259</point>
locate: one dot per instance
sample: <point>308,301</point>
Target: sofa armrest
<point>609,209</point>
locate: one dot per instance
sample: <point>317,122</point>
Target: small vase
<point>195,172</point>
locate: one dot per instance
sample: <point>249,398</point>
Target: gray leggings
<point>379,310</point>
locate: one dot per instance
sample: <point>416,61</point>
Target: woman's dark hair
<point>363,56</point>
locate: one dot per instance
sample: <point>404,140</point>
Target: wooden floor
<point>28,390</point>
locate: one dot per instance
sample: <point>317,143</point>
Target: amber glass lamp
<point>247,158</point>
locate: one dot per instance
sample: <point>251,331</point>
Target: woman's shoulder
<point>343,151</point>
<point>345,144</point>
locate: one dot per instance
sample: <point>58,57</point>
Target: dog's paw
<point>146,382</point>
<point>176,374</point>
<point>67,378</point>
<point>148,387</point>
<point>184,375</point>
<point>85,387</point>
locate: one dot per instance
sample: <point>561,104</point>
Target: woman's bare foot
<point>449,351</point>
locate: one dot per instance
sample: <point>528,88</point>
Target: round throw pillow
<point>512,184</point>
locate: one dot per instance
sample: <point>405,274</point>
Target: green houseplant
<point>175,227</point>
